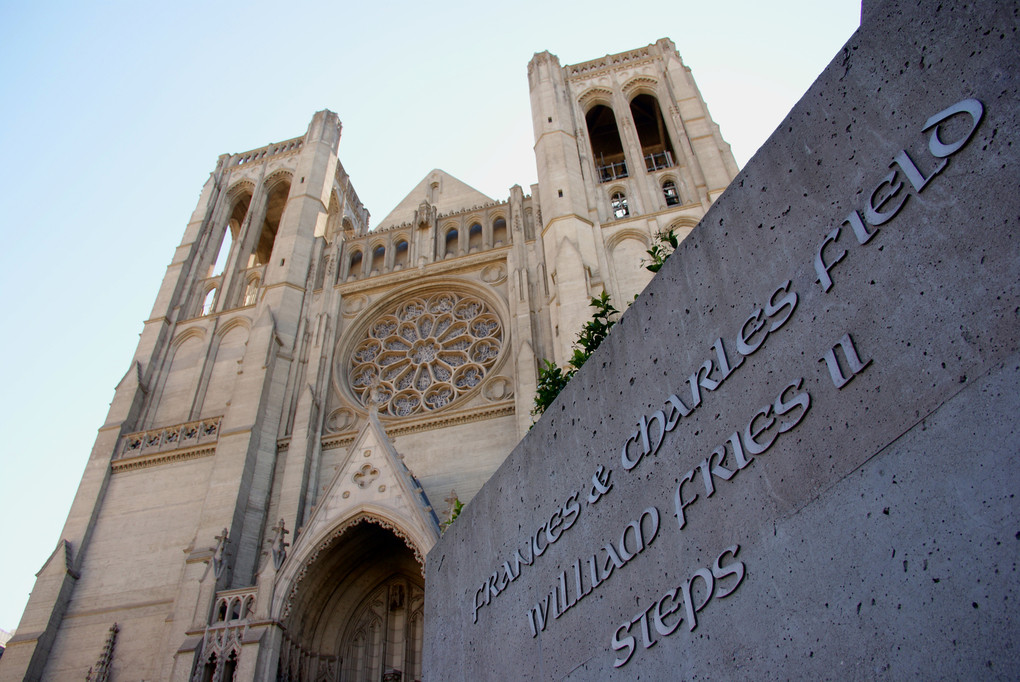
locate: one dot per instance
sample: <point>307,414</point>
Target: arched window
<point>400,256</point>
<point>251,292</point>
<point>619,205</point>
<point>606,147</point>
<point>378,259</point>
<point>221,257</point>
<point>475,238</point>
<point>271,225</point>
<point>230,667</point>
<point>651,129</point>
<point>670,193</point>
<point>499,232</point>
<point>209,302</point>
<point>231,233</point>
<point>451,243</point>
<point>354,270</point>
<point>209,669</point>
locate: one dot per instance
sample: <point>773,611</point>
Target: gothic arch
<point>652,130</point>
<point>682,227</point>
<point>190,333</point>
<point>295,570</point>
<point>176,395</point>
<point>238,321</point>
<point>357,600</point>
<point>592,97</point>
<point>628,250</point>
<point>640,85</point>
<point>276,194</point>
<point>606,143</point>
<point>376,253</point>
<point>627,233</point>
<point>240,188</point>
<point>275,178</point>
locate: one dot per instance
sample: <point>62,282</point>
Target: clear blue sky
<point>114,114</point>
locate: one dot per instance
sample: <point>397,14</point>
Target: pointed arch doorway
<point>356,615</point>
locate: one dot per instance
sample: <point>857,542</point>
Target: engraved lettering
<point>751,433</point>
<point>822,267</point>
<point>600,483</point>
<point>915,176</point>
<point>678,500</point>
<point>879,198</point>
<point>846,344</point>
<point>940,149</point>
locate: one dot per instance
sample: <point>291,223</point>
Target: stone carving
<point>425,353</point>
<point>219,552</point>
<point>364,476</point>
<point>340,419</point>
<point>354,303</point>
<point>495,273</point>
<point>279,546</point>
<point>498,388</point>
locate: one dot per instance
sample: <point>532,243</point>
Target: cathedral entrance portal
<point>356,616</point>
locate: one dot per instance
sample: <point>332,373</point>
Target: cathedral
<point>312,396</point>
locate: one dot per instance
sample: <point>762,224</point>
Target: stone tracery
<point>425,353</point>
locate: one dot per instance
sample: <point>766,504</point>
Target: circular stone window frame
<point>358,332</point>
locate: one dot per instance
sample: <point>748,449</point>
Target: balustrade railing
<point>658,161</point>
<point>612,171</point>
<point>169,438</point>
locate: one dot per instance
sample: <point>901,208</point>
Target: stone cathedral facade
<point>310,395</point>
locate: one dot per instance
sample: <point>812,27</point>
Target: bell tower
<point>625,148</point>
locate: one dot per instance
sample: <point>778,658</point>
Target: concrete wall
<point>792,457</point>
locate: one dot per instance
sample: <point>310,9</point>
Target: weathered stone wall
<point>793,456</point>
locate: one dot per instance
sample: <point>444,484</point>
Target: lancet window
<point>499,232</point>
<point>475,238</point>
<point>670,193</point>
<point>378,259</point>
<point>656,148</point>
<point>606,147</point>
<point>271,224</point>
<point>209,302</point>
<point>451,243</point>
<point>618,202</point>
<point>400,255</point>
<point>354,269</point>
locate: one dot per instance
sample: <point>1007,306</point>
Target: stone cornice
<point>609,62</point>
<point>145,461</point>
<point>495,254</point>
<point>405,426</point>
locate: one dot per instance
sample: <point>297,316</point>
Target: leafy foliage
<point>458,506</point>
<point>552,379</point>
<point>665,244</point>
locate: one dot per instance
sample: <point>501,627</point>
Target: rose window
<point>425,353</point>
